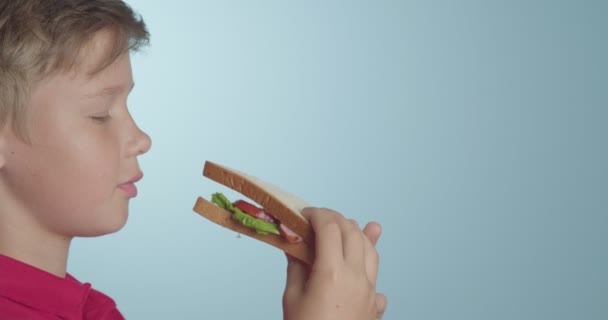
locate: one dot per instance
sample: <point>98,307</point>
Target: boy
<point>68,168</point>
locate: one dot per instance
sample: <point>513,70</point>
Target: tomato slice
<point>254,211</point>
<point>246,207</point>
<point>289,235</point>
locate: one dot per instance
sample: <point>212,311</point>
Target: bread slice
<point>282,205</point>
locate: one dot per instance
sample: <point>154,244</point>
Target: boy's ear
<point>3,146</point>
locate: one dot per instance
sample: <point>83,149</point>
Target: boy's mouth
<point>129,187</point>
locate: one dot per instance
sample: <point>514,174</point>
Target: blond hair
<point>42,37</point>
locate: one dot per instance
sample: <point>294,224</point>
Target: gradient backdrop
<point>474,131</point>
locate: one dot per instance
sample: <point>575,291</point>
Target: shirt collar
<point>42,290</point>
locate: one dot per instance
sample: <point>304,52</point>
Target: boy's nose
<point>139,142</point>
<point>143,143</point>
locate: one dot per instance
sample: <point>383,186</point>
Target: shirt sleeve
<point>100,307</point>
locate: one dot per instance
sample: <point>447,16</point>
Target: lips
<point>129,187</point>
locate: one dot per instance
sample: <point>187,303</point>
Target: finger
<point>353,243</point>
<point>381,303</point>
<point>297,275</point>
<point>373,230</point>
<point>372,259</point>
<point>328,238</point>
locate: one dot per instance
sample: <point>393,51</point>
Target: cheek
<point>67,176</point>
<point>89,169</point>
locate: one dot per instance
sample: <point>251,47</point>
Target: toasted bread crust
<point>302,251</point>
<point>272,203</point>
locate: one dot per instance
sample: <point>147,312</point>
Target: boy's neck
<point>48,253</point>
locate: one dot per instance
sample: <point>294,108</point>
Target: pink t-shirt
<point>28,293</point>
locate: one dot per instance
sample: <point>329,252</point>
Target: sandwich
<point>272,216</point>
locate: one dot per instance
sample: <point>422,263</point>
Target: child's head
<point>68,144</point>
<point>41,37</point>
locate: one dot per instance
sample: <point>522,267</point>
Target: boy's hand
<point>342,281</point>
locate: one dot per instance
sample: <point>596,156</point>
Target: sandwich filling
<point>255,218</point>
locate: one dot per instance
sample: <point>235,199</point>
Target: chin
<point>107,225</point>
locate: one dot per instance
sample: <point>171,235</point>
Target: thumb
<point>297,275</point>
<point>373,230</point>
<point>381,303</point>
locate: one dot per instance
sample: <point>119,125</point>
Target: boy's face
<point>71,179</point>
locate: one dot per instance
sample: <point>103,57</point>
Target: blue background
<point>474,131</point>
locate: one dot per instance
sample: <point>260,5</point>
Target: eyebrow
<point>108,91</point>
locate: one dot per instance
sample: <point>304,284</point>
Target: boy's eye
<point>101,119</point>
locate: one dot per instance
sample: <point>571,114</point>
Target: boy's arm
<point>341,284</point>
